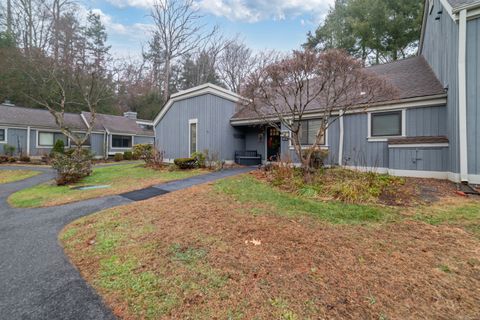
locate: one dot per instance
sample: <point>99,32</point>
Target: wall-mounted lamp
<point>285,134</point>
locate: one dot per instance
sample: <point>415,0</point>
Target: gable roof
<point>462,3</point>
<point>412,78</point>
<point>21,116</point>
<point>117,124</point>
<point>207,88</point>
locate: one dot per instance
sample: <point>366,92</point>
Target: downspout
<point>340,140</point>
<point>462,94</point>
<point>28,141</point>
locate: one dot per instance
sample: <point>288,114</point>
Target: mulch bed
<point>280,267</point>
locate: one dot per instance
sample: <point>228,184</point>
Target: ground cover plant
<point>242,248</point>
<point>119,178</point>
<point>7,176</point>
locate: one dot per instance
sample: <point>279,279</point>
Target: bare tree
<point>178,31</point>
<point>234,64</point>
<point>283,91</point>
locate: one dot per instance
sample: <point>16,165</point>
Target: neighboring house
<point>432,129</point>
<point>33,132</point>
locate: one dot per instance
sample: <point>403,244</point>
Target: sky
<point>263,25</point>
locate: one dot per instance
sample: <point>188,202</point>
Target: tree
<point>235,63</point>
<point>331,82</point>
<point>96,38</point>
<point>178,32</point>
<point>373,30</point>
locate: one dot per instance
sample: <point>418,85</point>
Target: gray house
<point>431,130</point>
<point>33,132</point>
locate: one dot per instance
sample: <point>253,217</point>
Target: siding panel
<point>473,95</point>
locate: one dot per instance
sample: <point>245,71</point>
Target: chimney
<point>130,114</point>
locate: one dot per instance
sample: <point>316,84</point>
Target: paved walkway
<point>36,279</point>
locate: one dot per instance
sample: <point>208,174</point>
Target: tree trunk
<point>166,79</point>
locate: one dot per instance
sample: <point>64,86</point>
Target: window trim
<point>325,145</point>
<point>5,140</point>
<point>124,135</point>
<point>37,134</point>
<point>190,122</point>
<point>403,125</point>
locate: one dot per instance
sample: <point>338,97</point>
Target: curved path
<point>36,279</point>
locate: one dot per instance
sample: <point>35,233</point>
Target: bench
<point>248,158</point>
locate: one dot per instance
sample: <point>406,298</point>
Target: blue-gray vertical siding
<point>16,138</point>
<point>255,139</point>
<point>473,95</point>
<point>357,150</point>
<point>214,130</point>
<point>143,140</point>
<point>430,121</point>
<point>440,49</point>
<point>426,159</point>
<point>97,144</point>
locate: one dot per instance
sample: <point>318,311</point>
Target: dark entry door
<point>273,144</point>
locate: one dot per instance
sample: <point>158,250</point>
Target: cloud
<point>247,10</point>
<point>254,11</point>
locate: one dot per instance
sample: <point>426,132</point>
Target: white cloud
<point>253,11</point>
<point>247,10</point>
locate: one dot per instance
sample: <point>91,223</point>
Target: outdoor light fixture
<point>285,135</point>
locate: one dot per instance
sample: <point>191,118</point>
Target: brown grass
<point>274,267</point>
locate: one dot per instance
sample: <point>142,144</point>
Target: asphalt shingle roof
<point>411,77</point>
<point>458,3</point>
<point>117,124</point>
<point>21,116</point>
<point>15,115</point>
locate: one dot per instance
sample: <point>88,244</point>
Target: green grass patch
<point>466,216</point>
<point>8,176</point>
<point>247,189</point>
<point>121,178</point>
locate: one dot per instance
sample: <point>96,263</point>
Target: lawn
<point>119,178</point>
<point>241,249</point>
<point>7,176</point>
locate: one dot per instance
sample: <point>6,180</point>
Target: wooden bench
<point>248,158</point>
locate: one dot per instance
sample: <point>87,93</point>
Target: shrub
<point>9,150</point>
<point>59,147</point>
<point>118,157</point>
<point>200,158</point>
<point>185,163</point>
<point>72,166</point>
<point>12,159</point>
<point>3,159</point>
<point>156,159</point>
<point>128,155</point>
<point>143,151</point>
<point>25,158</point>
<point>212,160</point>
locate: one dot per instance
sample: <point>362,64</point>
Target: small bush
<point>200,158</point>
<point>185,163</point>
<point>59,147</point>
<point>12,159</point>
<point>9,150</point>
<point>25,158</point>
<point>128,155</point>
<point>3,159</point>
<point>72,166</point>
<point>118,157</point>
<point>143,151</point>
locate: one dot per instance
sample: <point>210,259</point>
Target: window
<point>386,124</point>
<point>308,132</point>
<point>193,135</point>
<point>121,141</point>
<point>48,139</point>
<point>3,135</point>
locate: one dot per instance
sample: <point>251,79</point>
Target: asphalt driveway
<point>36,279</point>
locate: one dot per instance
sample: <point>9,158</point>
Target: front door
<point>273,144</point>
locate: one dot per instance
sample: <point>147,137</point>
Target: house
<point>33,132</point>
<point>431,130</point>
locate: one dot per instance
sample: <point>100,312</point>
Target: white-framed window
<point>192,136</point>
<point>121,141</point>
<point>47,139</point>
<point>308,133</point>
<point>3,135</point>
<point>386,124</point>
